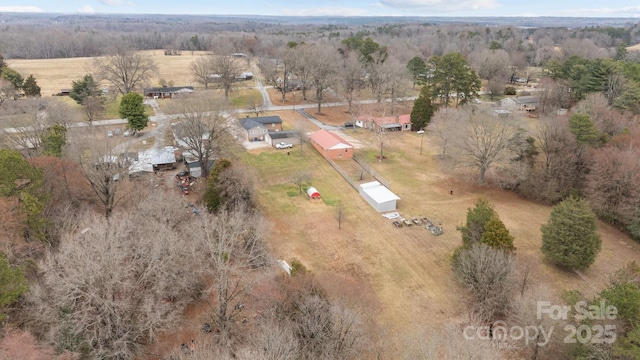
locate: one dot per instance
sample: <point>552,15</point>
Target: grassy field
<point>405,270</point>
<point>53,75</point>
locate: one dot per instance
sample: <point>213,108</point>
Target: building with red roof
<point>398,123</point>
<point>331,146</point>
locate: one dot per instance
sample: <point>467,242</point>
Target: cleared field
<point>55,74</point>
<point>405,270</point>
<point>635,47</point>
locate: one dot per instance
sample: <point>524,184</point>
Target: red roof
<point>328,140</point>
<point>387,120</point>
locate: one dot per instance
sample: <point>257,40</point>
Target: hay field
<point>55,74</point>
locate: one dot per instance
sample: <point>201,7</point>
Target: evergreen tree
<point>423,109</point>
<point>54,139</point>
<point>570,239</point>
<point>132,109</point>
<point>418,69</point>
<point>477,218</point>
<point>453,77</point>
<point>12,285</point>
<point>584,130</point>
<point>497,235</point>
<point>13,77</point>
<point>83,88</point>
<point>30,87</point>
<point>212,198</point>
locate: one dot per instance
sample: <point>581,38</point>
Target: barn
<point>378,196</point>
<point>313,193</point>
<point>331,146</point>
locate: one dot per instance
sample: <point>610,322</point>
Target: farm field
<point>55,74</point>
<point>404,274</point>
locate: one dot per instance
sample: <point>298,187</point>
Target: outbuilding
<point>378,196</point>
<point>313,193</point>
<point>331,146</point>
<point>287,136</point>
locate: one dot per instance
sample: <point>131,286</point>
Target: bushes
<point>510,90</point>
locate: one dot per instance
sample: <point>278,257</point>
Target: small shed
<point>378,196</point>
<point>313,193</point>
<point>193,165</point>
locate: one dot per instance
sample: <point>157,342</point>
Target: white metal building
<point>378,196</point>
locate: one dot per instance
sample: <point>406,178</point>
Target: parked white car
<point>284,145</point>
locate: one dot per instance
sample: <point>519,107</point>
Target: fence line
<point>343,174</point>
<point>373,173</point>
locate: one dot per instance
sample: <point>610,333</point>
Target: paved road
<point>162,121</point>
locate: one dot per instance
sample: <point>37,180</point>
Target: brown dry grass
<point>635,47</point>
<point>55,74</point>
<point>407,270</point>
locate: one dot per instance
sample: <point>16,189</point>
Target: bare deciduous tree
<point>223,244</point>
<point>227,69</point>
<point>125,70</point>
<point>92,106</point>
<point>341,214</point>
<point>299,179</point>
<point>492,65</point>
<point>323,73</point>
<point>7,91</point>
<point>202,128</point>
<point>112,285</point>
<point>255,107</point>
<point>105,169</point>
<point>41,114</point>
<point>352,78</point>
<point>202,69</point>
<point>490,277</point>
<point>443,128</point>
<point>480,140</point>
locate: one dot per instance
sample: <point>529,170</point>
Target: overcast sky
<point>579,8</point>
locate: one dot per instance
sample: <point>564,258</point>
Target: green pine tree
<point>83,88</point>
<point>423,109</point>
<point>12,285</point>
<point>570,239</point>
<point>477,218</point>
<point>54,139</point>
<point>212,198</point>
<point>132,109</point>
<point>584,130</point>
<point>497,235</point>
<point>30,87</point>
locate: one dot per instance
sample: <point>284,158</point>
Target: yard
<point>405,270</point>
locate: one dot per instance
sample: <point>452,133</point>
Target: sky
<point>572,8</point>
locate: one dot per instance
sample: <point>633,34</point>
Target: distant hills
<point>85,19</point>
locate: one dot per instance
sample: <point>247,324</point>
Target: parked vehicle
<point>416,221</point>
<point>109,133</point>
<point>284,145</point>
<point>348,124</point>
<point>397,223</point>
<point>406,222</point>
